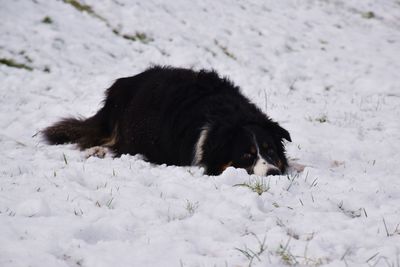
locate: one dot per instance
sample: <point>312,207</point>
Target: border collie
<point>180,117</point>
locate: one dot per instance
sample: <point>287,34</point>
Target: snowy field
<point>326,70</point>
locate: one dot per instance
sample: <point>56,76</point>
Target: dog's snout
<point>274,172</point>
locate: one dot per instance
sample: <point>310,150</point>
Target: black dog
<point>181,117</point>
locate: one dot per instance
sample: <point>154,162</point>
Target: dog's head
<point>258,149</point>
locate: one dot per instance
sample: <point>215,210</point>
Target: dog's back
<point>158,113</point>
<point>165,111</point>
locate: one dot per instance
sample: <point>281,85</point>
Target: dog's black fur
<point>161,113</point>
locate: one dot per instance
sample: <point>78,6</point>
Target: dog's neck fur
<point>199,146</point>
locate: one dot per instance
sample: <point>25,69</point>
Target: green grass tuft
<point>47,20</point>
<point>250,254</point>
<point>11,63</point>
<point>65,159</point>
<point>138,36</point>
<point>368,15</point>
<point>85,8</point>
<point>191,207</point>
<point>225,50</point>
<point>322,119</point>
<point>80,7</point>
<point>286,256</point>
<point>257,185</point>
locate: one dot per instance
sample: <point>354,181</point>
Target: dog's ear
<point>281,132</point>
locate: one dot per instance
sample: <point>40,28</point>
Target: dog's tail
<point>85,132</point>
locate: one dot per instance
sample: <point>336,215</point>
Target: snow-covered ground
<point>327,70</point>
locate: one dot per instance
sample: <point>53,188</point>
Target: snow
<point>328,71</point>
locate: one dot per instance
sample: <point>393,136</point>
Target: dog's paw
<point>96,151</point>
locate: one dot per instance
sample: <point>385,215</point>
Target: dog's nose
<point>274,172</point>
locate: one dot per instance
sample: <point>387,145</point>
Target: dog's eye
<point>247,156</point>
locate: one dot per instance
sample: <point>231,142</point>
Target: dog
<point>178,116</point>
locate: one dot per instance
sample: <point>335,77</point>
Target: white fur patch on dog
<point>261,167</point>
<point>198,148</point>
<point>96,151</point>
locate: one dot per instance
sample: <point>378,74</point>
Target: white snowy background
<point>327,70</point>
